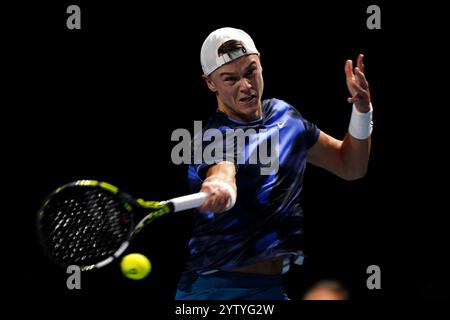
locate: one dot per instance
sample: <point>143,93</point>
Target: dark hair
<point>229,46</point>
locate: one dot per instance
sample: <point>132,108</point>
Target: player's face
<point>239,86</point>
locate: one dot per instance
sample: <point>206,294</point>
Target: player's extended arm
<point>348,158</point>
<point>220,183</point>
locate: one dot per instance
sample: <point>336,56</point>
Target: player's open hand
<point>357,85</point>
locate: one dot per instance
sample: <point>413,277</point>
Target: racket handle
<point>188,202</point>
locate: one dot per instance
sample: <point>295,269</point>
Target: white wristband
<point>229,188</point>
<point>361,124</point>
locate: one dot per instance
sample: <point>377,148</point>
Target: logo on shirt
<point>281,124</point>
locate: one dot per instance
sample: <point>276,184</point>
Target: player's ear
<point>209,83</point>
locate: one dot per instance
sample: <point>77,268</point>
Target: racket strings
<point>83,226</point>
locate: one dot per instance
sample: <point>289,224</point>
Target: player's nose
<point>245,85</point>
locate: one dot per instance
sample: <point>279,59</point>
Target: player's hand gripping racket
<point>90,223</point>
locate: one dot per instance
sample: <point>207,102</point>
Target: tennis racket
<point>89,223</point>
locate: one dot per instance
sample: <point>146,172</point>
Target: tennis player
<point>249,230</point>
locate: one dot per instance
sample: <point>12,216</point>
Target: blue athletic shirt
<point>267,220</point>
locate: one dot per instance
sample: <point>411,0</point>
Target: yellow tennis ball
<point>135,266</point>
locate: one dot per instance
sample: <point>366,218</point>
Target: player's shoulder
<point>276,107</point>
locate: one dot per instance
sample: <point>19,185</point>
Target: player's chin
<point>249,109</point>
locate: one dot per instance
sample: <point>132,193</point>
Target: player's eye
<point>250,72</point>
<point>230,79</point>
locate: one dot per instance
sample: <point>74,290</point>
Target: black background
<point>102,102</point>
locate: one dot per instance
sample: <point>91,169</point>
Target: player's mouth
<point>248,100</point>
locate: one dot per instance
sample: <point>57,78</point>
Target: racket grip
<point>188,202</point>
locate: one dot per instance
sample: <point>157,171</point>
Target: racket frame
<point>127,201</point>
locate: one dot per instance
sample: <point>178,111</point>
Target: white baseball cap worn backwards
<point>209,55</point>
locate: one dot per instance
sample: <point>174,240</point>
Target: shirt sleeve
<point>311,133</point>
<point>210,149</point>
